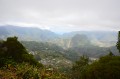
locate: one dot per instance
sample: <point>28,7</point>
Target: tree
<point>79,68</point>
<point>118,43</point>
<point>12,49</point>
<point>107,67</point>
<point>15,49</point>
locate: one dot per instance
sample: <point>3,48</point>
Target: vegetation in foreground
<point>17,63</point>
<point>107,67</point>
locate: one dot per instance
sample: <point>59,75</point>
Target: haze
<point>62,15</point>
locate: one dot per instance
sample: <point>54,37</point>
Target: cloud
<point>62,15</point>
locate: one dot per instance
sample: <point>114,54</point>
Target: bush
<point>108,67</point>
<point>31,73</point>
<point>7,62</point>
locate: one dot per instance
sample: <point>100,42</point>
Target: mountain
<point>99,38</point>
<point>26,33</point>
<point>67,40</point>
<point>71,45</point>
<point>79,40</point>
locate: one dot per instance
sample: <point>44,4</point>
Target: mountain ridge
<point>27,33</point>
<point>99,38</point>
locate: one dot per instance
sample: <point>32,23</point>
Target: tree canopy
<point>12,49</point>
<point>118,43</point>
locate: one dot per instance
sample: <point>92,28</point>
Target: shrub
<point>31,73</point>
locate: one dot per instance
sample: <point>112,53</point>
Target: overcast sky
<point>62,15</point>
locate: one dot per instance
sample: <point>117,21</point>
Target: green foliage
<point>27,71</point>
<point>19,64</point>
<point>108,67</point>
<point>118,43</point>
<point>6,62</point>
<point>79,68</point>
<point>31,73</point>
<point>12,49</point>
<point>20,71</point>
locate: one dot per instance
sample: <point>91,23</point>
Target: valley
<point>61,52</point>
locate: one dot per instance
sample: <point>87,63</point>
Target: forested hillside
<point>18,62</point>
<point>59,39</point>
<point>56,57</point>
<point>72,53</point>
